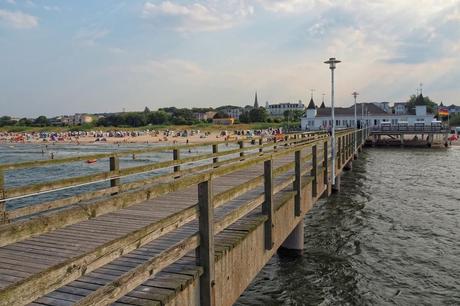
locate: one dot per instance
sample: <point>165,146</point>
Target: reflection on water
<point>392,237</point>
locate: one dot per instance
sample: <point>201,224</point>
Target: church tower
<point>256,103</point>
<point>311,109</point>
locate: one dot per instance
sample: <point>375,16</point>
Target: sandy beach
<point>126,137</point>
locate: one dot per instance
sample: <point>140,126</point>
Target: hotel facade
<point>368,114</point>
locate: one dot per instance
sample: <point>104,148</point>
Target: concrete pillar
<point>336,187</point>
<point>293,245</point>
<point>401,137</point>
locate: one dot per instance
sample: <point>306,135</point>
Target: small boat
<point>91,161</point>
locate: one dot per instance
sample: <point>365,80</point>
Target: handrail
<point>37,285</point>
<point>40,163</point>
<point>35,189</point>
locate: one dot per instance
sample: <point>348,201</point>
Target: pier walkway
<point>193,230</point>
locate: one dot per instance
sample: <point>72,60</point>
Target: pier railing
<point>115,173</point>
<point>305,168</point>
<point>411,128</point>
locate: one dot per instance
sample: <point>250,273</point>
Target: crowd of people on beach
<point>139,136</point>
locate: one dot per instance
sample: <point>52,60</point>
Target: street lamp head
<point>332,61</point>
<point>355,94</point>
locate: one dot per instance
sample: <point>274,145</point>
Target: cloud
<point>18,19</point>
<point>11,1</point>
<point>172,68</point>
<point>199,17</point>
<point>52,8</point>
<point>90,36</point>
<point>288,6</point>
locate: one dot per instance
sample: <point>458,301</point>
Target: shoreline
<point>134,137</point>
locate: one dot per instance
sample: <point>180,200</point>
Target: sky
<point>64,57</point>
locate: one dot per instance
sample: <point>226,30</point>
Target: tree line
<point>163,116</point>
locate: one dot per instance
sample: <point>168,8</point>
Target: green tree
<point>430,105</point>
<point>6,121</point>
<point>292,115</point>
<point>25,122</point>
<point>258,115</point>
<point>41,121</point>
<point>454,120</point>
<point>134,119</point>
<point>244,118</point>
<point>159,117</point>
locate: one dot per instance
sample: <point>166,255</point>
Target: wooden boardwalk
<point>66,264</point>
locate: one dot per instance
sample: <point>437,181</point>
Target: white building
<point>232,111</point>
<point>368,114</point>
<point>277,110</point>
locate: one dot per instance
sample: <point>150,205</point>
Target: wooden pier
<point>195,234</point>
<point>417,135</point>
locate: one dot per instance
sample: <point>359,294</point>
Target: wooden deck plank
<point>53,247</point>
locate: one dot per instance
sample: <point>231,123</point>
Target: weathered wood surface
<point>136,271</point>
<point>46,250</point>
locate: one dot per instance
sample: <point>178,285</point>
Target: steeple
<point>322,103</point>
<point>311,105</point>
<point>256,103</point>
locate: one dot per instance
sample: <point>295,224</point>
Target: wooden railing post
<point>176,156</point>
<point>314,167</point>
<point>297,184</point>
<point>348,146</point>
<point>205,252</point>
<point>274,146</point>
<point>114,165</point>
<point>260,144</point>
<point>3,218</point>
<point>215,149</point>
<point>326,164</point>
<point>241,143</point>
<point>339,152</point>
<point>267,207</point>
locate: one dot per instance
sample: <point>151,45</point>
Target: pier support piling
<point>336,186</point>
<point>293,245</point>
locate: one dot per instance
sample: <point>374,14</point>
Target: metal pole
<point>332,61</point>
<point>355,94</point>
<point>333,127</point>
<point>362,122</point>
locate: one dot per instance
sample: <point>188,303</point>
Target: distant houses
<point>368,114</point>
<point>77,119</point>
<point>279,109</point>
<point>204,116</point>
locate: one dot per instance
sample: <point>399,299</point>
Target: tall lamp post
<point>362,121</point>
<point>355,94</point>
<point>332,63</point>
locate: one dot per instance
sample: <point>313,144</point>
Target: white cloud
<point>18,19</point>
<point>11,1</point>
<point>52,8</point>
<point>288,6</point>
<point>172,68</point>
<point>197,16</point>
<point>90,36</point>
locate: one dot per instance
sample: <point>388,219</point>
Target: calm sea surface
<point>13,153</point>
<point>392,237</point>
